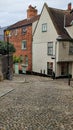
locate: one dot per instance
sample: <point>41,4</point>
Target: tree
<point>4,48</point>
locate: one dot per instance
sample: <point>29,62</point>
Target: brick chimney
<point>69,6</point>
<point>31,11</point>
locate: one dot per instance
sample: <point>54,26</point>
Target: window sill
<point>24,49</point>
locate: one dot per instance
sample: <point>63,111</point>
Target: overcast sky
<point>12,11</point>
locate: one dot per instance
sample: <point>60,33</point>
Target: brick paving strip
<point>5,90</point>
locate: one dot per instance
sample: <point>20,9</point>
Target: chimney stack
<point>31,11</point>
<point>69,6</point>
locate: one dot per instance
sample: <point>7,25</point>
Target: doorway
<point>64,69</point>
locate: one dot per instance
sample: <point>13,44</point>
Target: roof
<point>69,19</point>
<point>57,16</point>
<point>24,22</point>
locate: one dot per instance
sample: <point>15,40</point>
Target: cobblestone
<point>39,103</point>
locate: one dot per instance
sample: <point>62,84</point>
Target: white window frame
<point>44,27</point>
<point>50,48</point>
<point>24,45</point>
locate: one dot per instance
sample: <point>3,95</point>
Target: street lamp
<point>8,67</point>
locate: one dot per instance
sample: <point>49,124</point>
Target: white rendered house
<point>52,48</point>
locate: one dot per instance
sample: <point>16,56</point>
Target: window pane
<point>50,51</point>
<point>44,27</point>
<point>23,44</point>
<point>24,30</point>
<point>50,44</point>
<point>50,48</point>
<point>71,48</point>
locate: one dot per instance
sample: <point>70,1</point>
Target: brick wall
<point>17,41</point>
<point>31,12</point>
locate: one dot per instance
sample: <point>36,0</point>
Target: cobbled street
<point>36,103</point>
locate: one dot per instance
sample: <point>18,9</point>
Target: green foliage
<point>17,59</point>
<point>5,47</point>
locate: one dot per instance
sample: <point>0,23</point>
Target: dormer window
<point>71,22</point>
<point>24,30</point>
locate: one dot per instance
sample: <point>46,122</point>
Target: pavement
<point>36,103</point>
<point>4,91</point>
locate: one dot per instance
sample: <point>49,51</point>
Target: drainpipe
<point>64,20</point>
<point>55,56</point>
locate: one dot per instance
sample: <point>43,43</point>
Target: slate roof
<point>57,16</point>
<point>24,22</point>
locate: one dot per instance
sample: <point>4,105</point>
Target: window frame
<point>70,48</point>
<point>50,47</point>
<point>44,27</point>
<point>24,42</point>
<point>24,30</point>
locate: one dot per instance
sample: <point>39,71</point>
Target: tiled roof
<point>57,16</point>
<point>69,19</point>
<point>24,22</point>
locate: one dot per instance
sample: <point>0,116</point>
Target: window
<point>26,59</point>
<point>13,32</point>
<point>24,45</point>
<point>50,48</point>
<point>64,68</point>
<point>22,58</point>
<point>24,30</point>
<point>71,23</point>
<point>16,31</point>
<point>71,48</point>
<point>44,27</point>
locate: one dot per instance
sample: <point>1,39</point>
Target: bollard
<point>69,79</point>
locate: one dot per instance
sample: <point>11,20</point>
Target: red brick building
<point>21,37</point>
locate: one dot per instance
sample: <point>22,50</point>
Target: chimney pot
<point>31,11</point>
<point>69,6</point>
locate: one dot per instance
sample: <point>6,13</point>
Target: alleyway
<point>36,103</point>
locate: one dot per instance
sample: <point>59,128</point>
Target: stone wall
<point>4,65</point>
<point>1,74</point>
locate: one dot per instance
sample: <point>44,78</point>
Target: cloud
<point>12,11</point>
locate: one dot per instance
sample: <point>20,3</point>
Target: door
<point>64,69</point>
<point>16,68</point>
<point>49,68</point>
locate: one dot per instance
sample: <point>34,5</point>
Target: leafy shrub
<point>6,48</point>
<point>17,59</point>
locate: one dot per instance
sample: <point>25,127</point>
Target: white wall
<point>63,52</point>
<point>70,31</point>
<point>40,40</point>
<point>33,26</point>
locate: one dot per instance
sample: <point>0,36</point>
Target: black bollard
<point>69,79</point>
